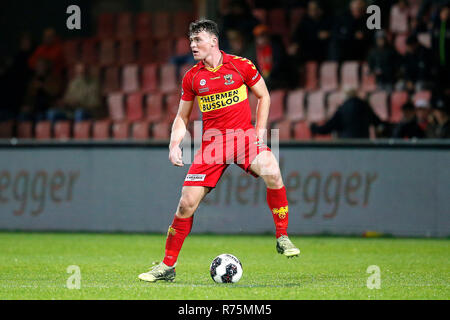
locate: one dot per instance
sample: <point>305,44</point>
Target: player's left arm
<point>262,110</point>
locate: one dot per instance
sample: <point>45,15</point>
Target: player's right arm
<point>178,131</point>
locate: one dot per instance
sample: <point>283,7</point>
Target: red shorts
<point>216,154</point>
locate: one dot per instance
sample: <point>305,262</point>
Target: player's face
<point>201,44</point>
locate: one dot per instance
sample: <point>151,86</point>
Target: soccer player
<point>220,81</point>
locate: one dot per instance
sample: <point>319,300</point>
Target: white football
<point>226,268</point>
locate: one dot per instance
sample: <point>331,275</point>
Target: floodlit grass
<point>34,266</point>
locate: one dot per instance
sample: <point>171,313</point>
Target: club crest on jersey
<point>228,79</point>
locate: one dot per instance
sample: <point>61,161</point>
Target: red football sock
<point>178,231</point>
<point>278,204</point>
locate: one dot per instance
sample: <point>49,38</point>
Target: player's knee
<point>273,181</point>
<point>186,207</point>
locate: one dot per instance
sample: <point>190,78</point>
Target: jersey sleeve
<point>187,92</point>
<point>250,72</point>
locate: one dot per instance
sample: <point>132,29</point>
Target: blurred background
<point>118,76</point>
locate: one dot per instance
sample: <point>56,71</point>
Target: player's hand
<point>176,156</point>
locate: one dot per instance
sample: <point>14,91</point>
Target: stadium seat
<point>115,106</point>
<point>284,128</point>
<point>368,81</point>
<point>181,22</point>
<point>378,102</point>
<point>89,53</point>
<point>172,104</point>
<point>140,130</point>
<point>143,28</point>
<point>183,70</point>
<point>25,130</point>
<point>125,25</point>
<point>168,76</point>
<point>182,46</point>
<point>161,25</point>
<point>316,106</point>
<point>146,51</point>
<point>302,131</point>
<point>62,130</point>
<point>121,130</point>
<point>82,130</point>
<point>72,51</point>
<point>130,78</point>
<point>311,80</point>
<point>164,50</point>
<point>329,76</point>
<point>135,110</point>
<point>276,105</point>
<point>43,130</point>
<point>295,17</point>
<point>398,99</point>
<point>154,107</point>
<point>334,101</point>
<point>295,105</point>
<point>350,75</point>
<point>111,81</point>
<point>106,28</point>
<point>107,55</point>
<point>398,19</point>
<point>400,43</point>
<point>6,129</point>
<point>101,130</point>
<point>277,21</point>
<point>150,78</point>
<point>261,15</point>
<point>161,130</point>
<point>126,51</point>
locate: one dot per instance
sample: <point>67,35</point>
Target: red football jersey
<point>222,92</point>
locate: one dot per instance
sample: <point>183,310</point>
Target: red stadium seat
<point>182,46</point>
<point>62,130</point>
<point>107,55</point>
<point>277,21</point>
<point>120,130</point>
<point>295,105</point>
<point>168,76</point>
<point>89,51</point>
<point>43,130</point>
<point>143,29</point>
<point>154,107</point>
<point>398,99</point>
<point>311,80</point>
<point>181,23</point>
<point>302,131</point>
<point>150,78</point>
<point>164,50</point>
<point>161,25</point>
<point>6,129</point>
<point>126,51</point>
<point>284,128</point>
<point>161,130</point>
<point>135,110</point>
<point>316,106</point>
<point>368,81</point>
<point>398,19</point>
<point>350,75</point>
<point>115,106</point>
<point>111,82</point>
<point>378,102</point>
<point>25,130</point>
<point>146,51</point>
<point>102,130</point>
<point>329,76</point>
<point>130,78</point>
<point>172,104</point>
<point>72,51</point>
<point>276,105</point>
<point>82,130</point>
<point>183,70</point>
<point>106,26</point>
<point>140,130</point>
<point>400,43</point>
<point>125,25</point>
<point>334,101</point>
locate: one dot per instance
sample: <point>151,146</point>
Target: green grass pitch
<point>34,266</point>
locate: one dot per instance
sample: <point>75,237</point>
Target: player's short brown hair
<point>204,25</point>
